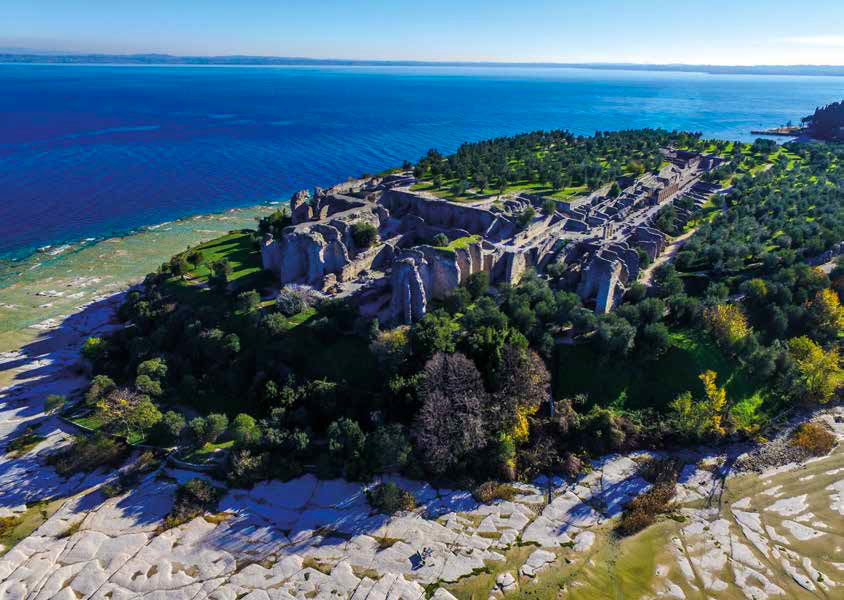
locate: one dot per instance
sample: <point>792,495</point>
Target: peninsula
<point>537,367</point>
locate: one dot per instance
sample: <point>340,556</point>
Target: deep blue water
<point>90,151</point>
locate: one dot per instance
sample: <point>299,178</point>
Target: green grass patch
<point>95,423</point>
<point>14,529</point>
<point>247,270</point>
<point>633,384</point>
<point>471,195</point>
<point>23,443</point>
<point>238,248</point>
<point>463,242</point>
<point>208,452</point>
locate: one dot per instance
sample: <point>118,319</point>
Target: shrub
<point>95,350</point>
<point>644,508</point>
<point>248,301</point>
<point>101,386</point>
<point>440,240</point>
<point>146,462</point>
<point>525,217</point>
<point>54,403</point>
<point>492,490</point>
<point>216,425</point>
<point>23,443</point>
<point>364,235</point>
<point>816,439</point>
<point>245,467</point>
<point>477,284</point>
<point>664,470</point>
<point>88,453</point>
<point>193,499</point>
<point>389,498</point>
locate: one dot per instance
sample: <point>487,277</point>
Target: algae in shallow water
<point>45,287</point>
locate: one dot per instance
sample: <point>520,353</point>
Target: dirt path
<point>670,252</point>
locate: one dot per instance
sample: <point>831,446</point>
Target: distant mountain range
<point>15,55</point>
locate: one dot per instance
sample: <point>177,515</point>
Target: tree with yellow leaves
<point>826,313</point>
<point>700,417</point>
<point>716,398</point>
<point>727,323</point>
<point>820,370</point>
<point>128,411</point>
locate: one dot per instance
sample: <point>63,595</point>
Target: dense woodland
<point>827,122</point>
<point>739,330</point>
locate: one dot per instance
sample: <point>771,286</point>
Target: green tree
<point>170,427</point>
<point>435,332</point>
<point>198,427</point>
<point>820,372</point>
<point>525,217</point>
<point>346,446</point>
<point>221,271</point>
<point>154,368</point>
<point>249,301</point>
<point>179,266</point>
<point>128,411</point>
<point>215,425</point>
<point>244,430</point>
<point>614,335</point>
<point>440,240</point>
<point>147,385</point>
<point>388,447</point>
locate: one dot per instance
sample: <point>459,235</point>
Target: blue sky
<point>662,31</point>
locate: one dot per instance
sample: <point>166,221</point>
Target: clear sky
<point>734,32</point>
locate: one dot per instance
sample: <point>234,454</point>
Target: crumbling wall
<point>309,251</point>
<point>438,212</point>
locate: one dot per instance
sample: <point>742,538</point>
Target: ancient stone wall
<point>309,251</point>
<point>438,212</point>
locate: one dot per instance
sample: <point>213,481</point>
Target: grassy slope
<point>631,384</point>
<point>463,242</point>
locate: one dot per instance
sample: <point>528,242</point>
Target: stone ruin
<point>596,239</point>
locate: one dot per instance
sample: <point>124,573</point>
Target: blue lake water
<point>93,151</point>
